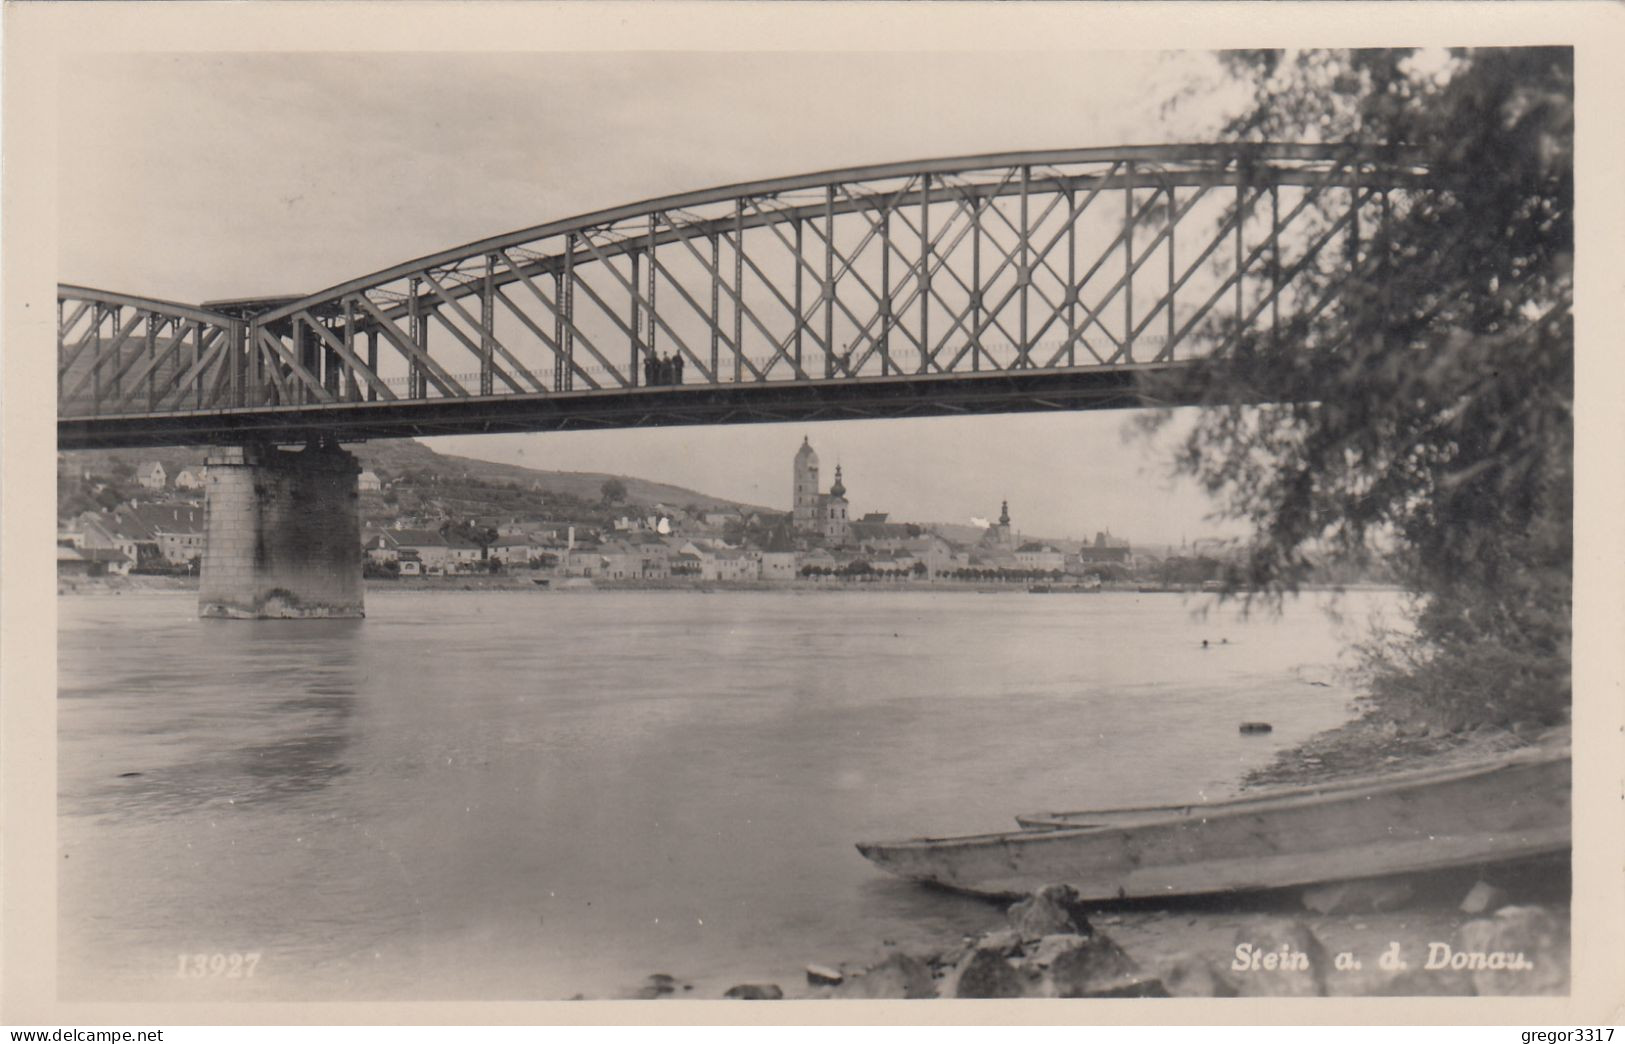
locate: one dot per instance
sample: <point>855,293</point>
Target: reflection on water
<point>530,795</point>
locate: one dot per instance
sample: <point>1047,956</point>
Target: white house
<point>152,475</point>
<point>936,553</point>
<point>727,565</point>
<point>513,550</point>
<point>116,532</point>
<point>427,547</point>
<point>191,478</point>
<point>581,561</point>
<point>778,565</point>
<point>380,547</point>
<point>1040,556</point>
<point>465,555</point>
<point>91,561</point>
<point>178,530</point>
<point>367,483</point>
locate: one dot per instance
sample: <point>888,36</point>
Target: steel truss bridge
<point>995,283</point>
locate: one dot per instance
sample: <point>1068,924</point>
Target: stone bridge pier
<point>284,534</point>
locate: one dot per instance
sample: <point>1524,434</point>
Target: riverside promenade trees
<point>1426,417</point>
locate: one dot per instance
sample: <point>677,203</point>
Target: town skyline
<point>425,516</point>
<point>887,485</point>
<point>1066,476</point>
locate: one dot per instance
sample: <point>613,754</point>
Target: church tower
<point>833,509</point>
<point>804,514</point>
<point>999,536</point>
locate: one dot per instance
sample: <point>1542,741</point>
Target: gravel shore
<point>1363,938</point>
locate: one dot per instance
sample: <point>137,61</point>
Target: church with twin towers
<point>824,514</point>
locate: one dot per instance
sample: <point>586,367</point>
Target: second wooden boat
<point>1511,807</point>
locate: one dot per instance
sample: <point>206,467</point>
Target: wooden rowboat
<point>1198,809</point>
<point>1515,806</point>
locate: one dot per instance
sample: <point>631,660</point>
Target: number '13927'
<point>216,965</point>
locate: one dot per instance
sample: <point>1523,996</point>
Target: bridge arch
<point>1025,280</point>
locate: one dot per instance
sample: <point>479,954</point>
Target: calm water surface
<point>526,795</point>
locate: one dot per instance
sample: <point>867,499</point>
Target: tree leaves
<point>1426,418</point>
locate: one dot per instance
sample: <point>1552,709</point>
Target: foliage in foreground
<point>1427,419</point>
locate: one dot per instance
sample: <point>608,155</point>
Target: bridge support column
<point>284,534</point>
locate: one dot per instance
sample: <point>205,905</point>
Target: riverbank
<point>116,585</point>
<point>1374,743</point>
<point>1501,929</point>
<point>545,583</point>
<point>577,585</point>
<point>1451,934</point>
<point>1496,930</point>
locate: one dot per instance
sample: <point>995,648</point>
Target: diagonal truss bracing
<point>1061,262</point>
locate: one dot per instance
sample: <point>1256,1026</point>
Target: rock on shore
<point>1388,938</point>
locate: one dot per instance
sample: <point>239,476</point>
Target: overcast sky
<point>206,176</point>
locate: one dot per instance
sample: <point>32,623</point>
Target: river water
<point>531,795</point>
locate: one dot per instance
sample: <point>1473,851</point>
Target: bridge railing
<point>1040,261</point>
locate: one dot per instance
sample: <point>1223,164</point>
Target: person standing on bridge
<point>649,370</point>
<point>677,368</point>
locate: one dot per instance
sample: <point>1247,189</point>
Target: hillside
<point>395,458</point>
<point>460,485</point>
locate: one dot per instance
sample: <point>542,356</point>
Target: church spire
<point>1004,512</point>
<point>838,489</point>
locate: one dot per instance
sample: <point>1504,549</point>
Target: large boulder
<point>1091,966</point>
<point>1006,941</point>
<point>1189,975</point>
<point>1052,910</point>
<point>755,991</point>
<point>656,986</point>
<point>898,977</point>
<point>1522,950</point>
<point>985,973</point>
<point>1279,959</point>
<point>1135,986</point>
<point>1042,953</point>
<point>953,956</point>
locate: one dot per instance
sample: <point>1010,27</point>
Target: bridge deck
<point>932,395</point>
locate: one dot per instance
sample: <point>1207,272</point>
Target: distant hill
<point>391,459</point>
<point>394,459</point>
